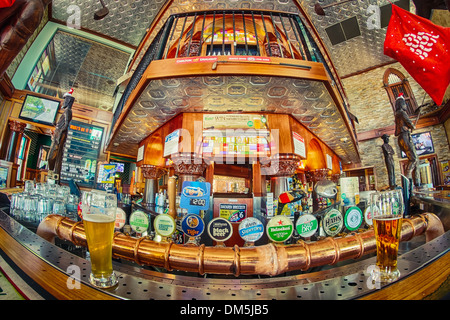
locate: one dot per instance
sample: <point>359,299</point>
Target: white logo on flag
<point>420,43</point>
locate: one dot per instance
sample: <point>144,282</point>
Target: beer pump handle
<point>172,192</point>
<point>295,236</point>
<point>296,216</point>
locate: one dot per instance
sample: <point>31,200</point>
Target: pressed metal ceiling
<point>307,101</point>
<point>89,67</point>
<point>128,20</point>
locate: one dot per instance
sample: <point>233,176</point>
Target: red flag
<point>6,3</point>
<point>422,48</point>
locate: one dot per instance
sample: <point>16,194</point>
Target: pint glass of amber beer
<point>99,215</point>
<point>387,216</point>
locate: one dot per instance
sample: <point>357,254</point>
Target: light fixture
<point>319,9</point>
<point>103,12</point>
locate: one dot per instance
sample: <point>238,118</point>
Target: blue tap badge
<point>251,229</point>
<point>192,225</point>
<point>195,196</point>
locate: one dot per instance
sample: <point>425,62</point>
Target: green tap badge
<point>280,228</point>
<point>353,218</point>
<point>164,225</point>
<point>307,225</point>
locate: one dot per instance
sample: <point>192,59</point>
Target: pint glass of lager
<point>99,215</point>
<point>387,223</point>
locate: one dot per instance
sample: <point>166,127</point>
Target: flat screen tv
<point>423,143</point>
<point>40,110</point>
<point>119,166</point>
<point>4,173</point>
<point>106,173</point>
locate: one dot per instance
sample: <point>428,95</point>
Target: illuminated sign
<point>195,196</point>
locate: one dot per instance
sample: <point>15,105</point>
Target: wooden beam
<point>390,130</point>
<point>6,86</point>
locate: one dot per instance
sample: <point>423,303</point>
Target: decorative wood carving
<point>152,172</point>
<point>17,126</point>
<point>280,165</point>
<point>188,163</point>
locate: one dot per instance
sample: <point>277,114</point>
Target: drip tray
<point>348,281</point>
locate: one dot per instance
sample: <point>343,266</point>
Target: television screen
<point>423,143</point>
<point>3,177</point>
<point>119,166</point>
<point>40,110</point>
<point>106,173</point>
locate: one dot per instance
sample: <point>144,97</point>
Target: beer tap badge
<point>280,228</point>
<point>353,218</point>
<point>251,229</point>
<point>332,222</point>
<point>307,225</point>
<point>368,215</point>
<point>139,221</point>
<point>121,218</point>
<point>220,229</point>
<point>192,225</point>
<point>164,225</point>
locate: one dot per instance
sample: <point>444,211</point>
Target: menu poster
<point>81,152</point>
<point>171,143</point>
<point>329,162</point>
<point>234,121</point>
<point>299,144</point>
<point>140,155</point>
<point>349,190</point>
<point>233,212</point>
<point>240,146</point>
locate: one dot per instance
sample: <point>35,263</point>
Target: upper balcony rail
<point>229,32</point>
<point>251,33</point>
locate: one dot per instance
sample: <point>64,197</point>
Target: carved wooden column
<point>317,175</point>
<point>281,165</point>
<point>188,167</point>
<point>280,168</point>
<point>16,132</point>
<point>151,174</point>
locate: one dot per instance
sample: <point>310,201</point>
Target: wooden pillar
<point>257,181</point>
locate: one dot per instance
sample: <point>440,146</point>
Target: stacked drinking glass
<point>41,199</point>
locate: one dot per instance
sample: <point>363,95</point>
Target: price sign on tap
<point>195,196</point>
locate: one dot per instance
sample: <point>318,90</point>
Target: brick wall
<point>369,102</point>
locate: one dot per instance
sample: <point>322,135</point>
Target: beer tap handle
<point>172,192</point>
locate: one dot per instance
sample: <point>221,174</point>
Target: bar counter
<point>436,201</point>
<point>440,198</point>
<point>41,270</point>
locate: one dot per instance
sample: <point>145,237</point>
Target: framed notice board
<point>81,152</point>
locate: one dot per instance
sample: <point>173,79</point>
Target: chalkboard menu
<point>81,152</point>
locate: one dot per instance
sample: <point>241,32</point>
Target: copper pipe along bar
<point>269,259</point>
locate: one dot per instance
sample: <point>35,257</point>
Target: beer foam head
<point>99,218</point>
